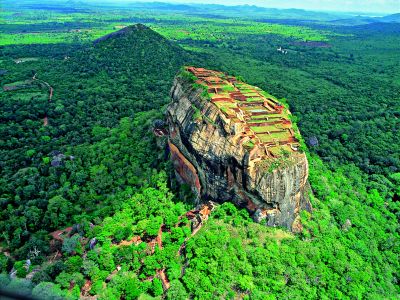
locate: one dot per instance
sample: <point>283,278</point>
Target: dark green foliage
<point>22,287</point>
<point>97,164</point>
<point>41,276</point>
<point>5,263</point>
<point>70,244</point>
<point>4,280</point>
<point>58,212</point>
<point>48,291</point>
<point>54,269</point>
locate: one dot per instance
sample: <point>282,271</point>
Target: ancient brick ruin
<point>262,123</point>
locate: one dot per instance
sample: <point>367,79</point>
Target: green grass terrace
<point>266,121</point>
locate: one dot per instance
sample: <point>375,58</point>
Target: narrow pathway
<point>51,90</point>
<point>198,216</point>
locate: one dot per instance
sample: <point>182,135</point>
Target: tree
<point>132,288</point>
<point>22,287</point>
<point>70,244</point>
<point>154,226</point>
<point>157,287</point>
<point>58,211</point>
<point>65,279</point>
<point>4,263</point>
<point>48,291</point>
<point>73,264</point>
<point>177,291</point>
<point>20,267</point>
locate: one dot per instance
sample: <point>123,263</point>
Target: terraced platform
<point>262,123</point>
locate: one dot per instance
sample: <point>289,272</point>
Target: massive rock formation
<point>233,142</point>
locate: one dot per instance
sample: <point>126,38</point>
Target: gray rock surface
<point>209,155</point>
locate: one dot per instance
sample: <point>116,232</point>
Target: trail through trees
<point>50,88</point>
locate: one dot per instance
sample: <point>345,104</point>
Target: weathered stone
<point>347,225</point>
<point>297,227</point>
<point>207,156</point>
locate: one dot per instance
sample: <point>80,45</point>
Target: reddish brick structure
<point>243,103</point>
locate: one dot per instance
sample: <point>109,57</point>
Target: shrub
<point>48,291</point>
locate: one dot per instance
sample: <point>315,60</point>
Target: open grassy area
<point>25,95</point>
<point>41,27</point>
<point>22,84</point>
<point>278,136</point>
<point>259,129</point>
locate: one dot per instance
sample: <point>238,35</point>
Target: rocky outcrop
<point>215,153</point>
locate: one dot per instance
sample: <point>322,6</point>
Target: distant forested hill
<point>66,164</point>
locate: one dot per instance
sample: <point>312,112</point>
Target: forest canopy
<point>89,203</point>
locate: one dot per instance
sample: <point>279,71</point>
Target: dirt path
<point>159,237</point>
<point>51,90</point>
<point>199,217</point>
<point>164,279</point>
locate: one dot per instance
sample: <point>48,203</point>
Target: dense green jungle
<point>84,87</point>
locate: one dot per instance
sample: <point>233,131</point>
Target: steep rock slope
<point>233,142</point>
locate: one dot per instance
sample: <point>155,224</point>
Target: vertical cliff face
<point>233,142</point>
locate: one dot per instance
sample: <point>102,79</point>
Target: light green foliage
<point>154,225</point>
<point>206,29</point>
<point>132,288</point>
<point>109,294</point>
<point>30,152</point>
<point>204,90</point>
<point>157,288</point>
<point>20,267</point>
<point>197,113</point>
<point>228,88</point>
<point>73,264</point>
<point>177,291</point>
<point>66,279</point>
<point>187,75</point>
<point>171,25</point>
<point>275,263</point>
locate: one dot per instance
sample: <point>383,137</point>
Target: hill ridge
<point>124,31</point>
